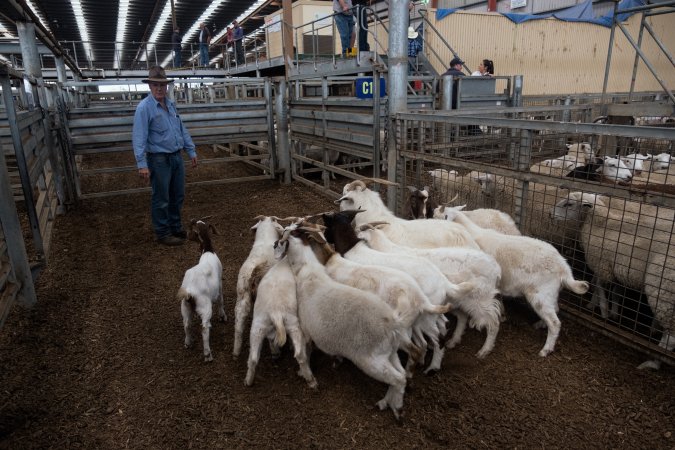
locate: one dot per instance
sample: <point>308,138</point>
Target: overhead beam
<point>44,35</point>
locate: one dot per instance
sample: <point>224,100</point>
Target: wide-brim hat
<point>412,34</point>
<point>156,74</point>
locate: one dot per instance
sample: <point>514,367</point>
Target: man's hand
<point>144,173</point>
<point>194,161</point>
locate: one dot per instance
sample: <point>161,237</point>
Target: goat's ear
<point>193,236</point>
<point>213,229</point>
<point>427,188</point>
<point>351,213</point>
<point>412,189</point>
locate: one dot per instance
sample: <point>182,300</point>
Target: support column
<point>282,131</point>
<point>31,64</point>
<point>398,79</point>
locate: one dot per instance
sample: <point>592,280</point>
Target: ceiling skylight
<point>121,32</point>
<point>82,27</point>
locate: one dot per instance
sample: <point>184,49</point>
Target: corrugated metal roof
<point>142,17</point>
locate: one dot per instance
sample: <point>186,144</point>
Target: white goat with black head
<point>413,233</point>
<point>202,286</point>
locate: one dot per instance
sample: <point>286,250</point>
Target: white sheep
<point>456,264</point>
<point>635,162</point>
<point>275,314</point>
<point>258,262</point>
<point>640,255</point>
<point>347,322</point>
<point>530,268</point>
<point>540,199</point>
<point>493,219</point>
<point>202,286</point>
<point>413,233</point>
<point>660,162</point>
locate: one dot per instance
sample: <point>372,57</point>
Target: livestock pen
<point>99,360</point>
<point>507,161</point>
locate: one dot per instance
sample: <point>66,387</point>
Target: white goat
<point>660,162</point>
<point>493,219</point>
<point>530,268</point>
<point>456,264</point>
<point>396,288</point>
<point>347,322</point>
<point>430,279</point>
<point>258,262</point>
<point>275,314</point>
<point>637,254</point>
<point>202,286</point>
<point>413,233</point>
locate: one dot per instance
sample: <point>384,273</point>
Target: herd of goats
<point>367,285</point>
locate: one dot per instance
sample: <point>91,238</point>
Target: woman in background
<point>485,69</point>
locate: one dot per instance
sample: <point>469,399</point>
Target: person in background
<point>175,42</point>
<point>229,38</point>
<point>362,24</point>
<point>204,41</point>
<point>158,136</point>
<point>485,69</point>
<point>455,70</point>
<point>344,21</point>
<point>414,47</point>
<point>238,37</point>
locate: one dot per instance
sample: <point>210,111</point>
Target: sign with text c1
<point>365,88</point>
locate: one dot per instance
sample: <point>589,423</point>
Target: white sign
<point>273,23</point>
<point>518,3</point>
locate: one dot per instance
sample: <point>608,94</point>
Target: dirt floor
<point>100,363</point>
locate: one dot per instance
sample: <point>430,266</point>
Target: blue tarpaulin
<point>583,12</point>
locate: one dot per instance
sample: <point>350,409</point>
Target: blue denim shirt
<point>158,131</point>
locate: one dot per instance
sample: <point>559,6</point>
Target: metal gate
<point>514,160</point>
<point>233,116</point>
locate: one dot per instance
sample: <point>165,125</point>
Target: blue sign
<point>365,88</point>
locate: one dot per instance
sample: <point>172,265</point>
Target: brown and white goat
<point>202,286</point>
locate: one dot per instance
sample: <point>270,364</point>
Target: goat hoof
<point>382,405</point>
<point>482,354</point>
<point>208,358</point>
<point>313,384</point>
<point>653,365</point>
<point>544,353</point>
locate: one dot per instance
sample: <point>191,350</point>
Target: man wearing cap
<point>455,70</point>
<point>158,137</point>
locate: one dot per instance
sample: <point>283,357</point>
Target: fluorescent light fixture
<point>161,23</point>
<point>121,32</point>
<point>39,15</point>
<point>82,27</point>
<point>6,32</point>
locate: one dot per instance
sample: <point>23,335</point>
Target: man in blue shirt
<point>238,38</point>
<point>158,137</point>
<point>204,38</point>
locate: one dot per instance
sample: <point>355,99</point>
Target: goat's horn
<point>452,200</point>
<point>376,224</point>
<point>204,219</point>
<point>213,229</point>
<point>287,219</point>
<point>258,217</point>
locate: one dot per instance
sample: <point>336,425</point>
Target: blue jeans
<point>203,54</point>
<point>177,62</point>
<point>345,26</point>
<point>167,178</point>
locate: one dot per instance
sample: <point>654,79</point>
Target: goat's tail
<point>280,336</point>
<point>576,286</point>
<point>437,309</point>
<point>405,344</point>
<point>455,291</point>
<point>184,296</point>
